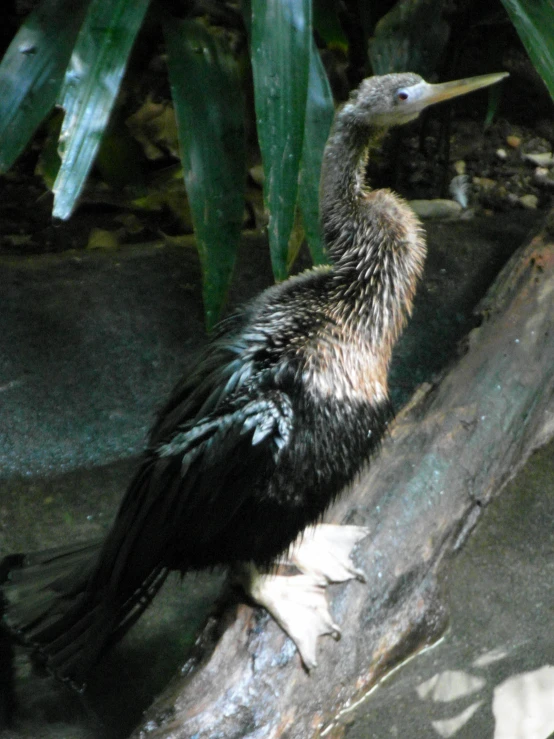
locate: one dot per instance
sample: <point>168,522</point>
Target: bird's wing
<point>222,456</point>
<point>224,366</point>
<point>190,488</point>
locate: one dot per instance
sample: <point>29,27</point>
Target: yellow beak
<point>445,90</point>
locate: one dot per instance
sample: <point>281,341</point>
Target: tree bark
<point>448,453</point>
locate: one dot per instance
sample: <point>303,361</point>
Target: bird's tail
<point>48,604</point>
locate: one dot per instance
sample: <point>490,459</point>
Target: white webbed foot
<point>299,605</point>
<point>298,602</point>
<point>325,550</point>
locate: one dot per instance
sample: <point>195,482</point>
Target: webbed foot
<point>298,602</point>
<point>325,550</point>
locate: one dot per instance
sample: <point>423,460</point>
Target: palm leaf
<point>32,72</point>
<point>281,38</point>
<point>90,89</point>
<point>319,117</point>
<point>210,116</point>
<point>534,22</point>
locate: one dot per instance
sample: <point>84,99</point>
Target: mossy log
<point>449,452</point>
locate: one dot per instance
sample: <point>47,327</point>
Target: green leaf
<point>32,70</point>
<point>280,50</point>
<point>319,117</point>
<point>90,89</point>
<point>208,102</point>
<point>411,37</point>
<point>534,22</point>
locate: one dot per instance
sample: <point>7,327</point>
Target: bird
<point>285,405</point>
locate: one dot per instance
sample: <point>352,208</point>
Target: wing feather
<point>191,488</point>
<point>225,366</point>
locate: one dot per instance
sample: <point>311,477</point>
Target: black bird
<point>285,405</point>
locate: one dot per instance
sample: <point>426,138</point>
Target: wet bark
<point>449,452</point>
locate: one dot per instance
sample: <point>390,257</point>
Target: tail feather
<point>39,587</point>
<point>64,569</point>
<point>133,610</point>
<point>50,605</point>
<point>74,652</point>
<point>71,603</point>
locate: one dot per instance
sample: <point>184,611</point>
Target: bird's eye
<point>402,95</point>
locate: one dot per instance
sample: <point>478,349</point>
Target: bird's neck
<point>343,172</point>
<point>373,238</point>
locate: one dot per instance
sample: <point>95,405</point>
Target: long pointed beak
<point>431,94</point>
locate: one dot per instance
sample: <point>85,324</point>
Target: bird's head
<point>394,99</point>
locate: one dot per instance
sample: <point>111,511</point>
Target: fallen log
<point>448,453</point>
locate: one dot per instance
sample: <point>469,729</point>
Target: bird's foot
<point>298,602</point>
<point>325,551</point>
